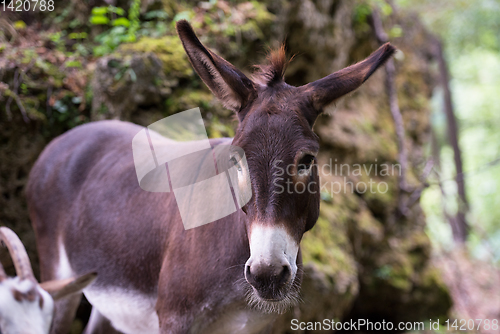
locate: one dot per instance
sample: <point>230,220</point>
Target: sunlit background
<point>470,31</point>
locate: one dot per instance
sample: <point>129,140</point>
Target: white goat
<point>27,307</point>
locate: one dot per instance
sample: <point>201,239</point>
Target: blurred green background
<point>470,31</point>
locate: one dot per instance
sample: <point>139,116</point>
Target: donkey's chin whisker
<point>284,301</point>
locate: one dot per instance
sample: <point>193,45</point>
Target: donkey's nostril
<point>285,275</point>
<point>247,272</point>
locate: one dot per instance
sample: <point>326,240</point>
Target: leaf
<point>98,20</point>
<point>99,11</point>
<point>395,31</point>
<point>130,38</point>
<point>77,35</point>
<point>101,50</point>
<point>73,63</point>
<point>19,25</point>
<point>122,21</point>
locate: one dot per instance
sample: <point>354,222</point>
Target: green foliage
<point>110,40</point>
<point>475,86</point>
<point>463,24</point>
<point>58,39</point>
<point>134,20</point>
<point>78,35</point>
<point>122,21</point>
<point>98,19</point>
<point>123,29</point>
<point>363,10</point>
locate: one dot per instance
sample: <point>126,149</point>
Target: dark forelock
<point>274,71</point>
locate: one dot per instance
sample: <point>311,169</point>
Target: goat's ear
<point>61,288</point>
<point>324,91</point>
<point>227,83</point>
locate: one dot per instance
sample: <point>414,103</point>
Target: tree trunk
<point>459,226</point>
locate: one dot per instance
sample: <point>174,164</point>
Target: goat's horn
<point>17,253</point>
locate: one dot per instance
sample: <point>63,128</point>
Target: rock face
<point>363,259</point>
<point>115,97</point>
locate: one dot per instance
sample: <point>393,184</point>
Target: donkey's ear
<point>326,90</point>
<point>227,83</point>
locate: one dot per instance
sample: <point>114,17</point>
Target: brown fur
<point>274,71</point>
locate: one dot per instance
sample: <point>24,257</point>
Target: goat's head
<point>27,307</point>
<point>275,132</point>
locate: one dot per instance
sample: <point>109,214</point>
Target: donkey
<point>231,276</point>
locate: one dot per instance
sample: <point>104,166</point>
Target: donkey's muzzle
<point>270,281</point>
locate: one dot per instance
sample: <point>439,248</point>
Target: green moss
<point>183,99</point>
<point>382,194</point>
<point>400,275</point>
<point>327,245</point>
<point>367,224</point>
<point>168,49</point>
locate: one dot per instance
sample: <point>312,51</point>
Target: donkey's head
<point>275,132</point>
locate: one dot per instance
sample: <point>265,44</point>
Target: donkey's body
<point>132,251</point>
<point>230,276</point>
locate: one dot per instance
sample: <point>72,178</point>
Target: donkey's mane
<point>274,70</point>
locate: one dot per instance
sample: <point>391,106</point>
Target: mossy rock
<point>327,245</point>
<point>169,51</point>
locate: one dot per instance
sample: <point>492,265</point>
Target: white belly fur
<point>132,312</point>
<point>129,311</point>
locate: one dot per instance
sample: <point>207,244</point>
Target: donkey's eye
<point>234,162</point>
<point>305,164</point>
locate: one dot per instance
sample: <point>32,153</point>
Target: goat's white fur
<point>23,317</point>
<point>25,307</point>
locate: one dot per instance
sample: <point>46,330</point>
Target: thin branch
<point>21,107</point>
<point>382,38</point>
<point>9,100</point>
<point>15,96</point>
